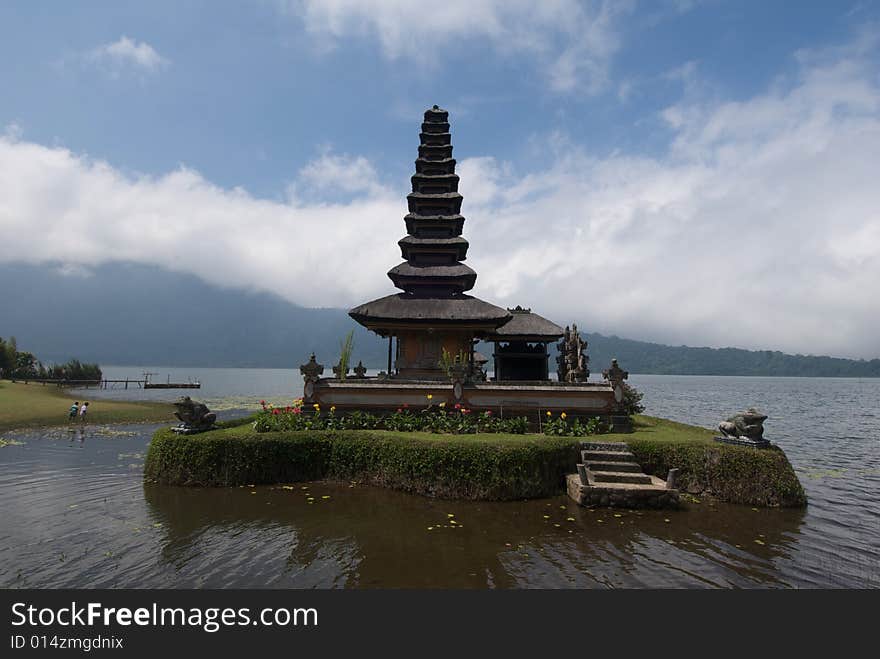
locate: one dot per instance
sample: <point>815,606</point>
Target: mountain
<point>138,315</point>
<point>132,314</point>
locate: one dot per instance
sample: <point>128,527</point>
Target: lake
<point>77,513</point>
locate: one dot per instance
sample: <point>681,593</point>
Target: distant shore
<point>35,405</point>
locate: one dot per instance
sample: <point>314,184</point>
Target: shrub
<point>509,468</point>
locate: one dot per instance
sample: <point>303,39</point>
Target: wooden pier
<point>145,383</point>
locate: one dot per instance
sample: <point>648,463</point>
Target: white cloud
<point>571,42</point>
<point>127,54</point>
<point>760,227</point>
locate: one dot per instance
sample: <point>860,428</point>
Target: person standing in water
<point>82,411</point>
<point>71,414</point>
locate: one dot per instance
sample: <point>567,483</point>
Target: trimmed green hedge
<point>736,474</point>
<point>506,468</point>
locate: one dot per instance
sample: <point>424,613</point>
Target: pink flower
<point>488,412</point>
<point>399,410</point>
<point>276,411</point>
<point>458,406</point>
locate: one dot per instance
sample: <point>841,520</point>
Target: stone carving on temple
<point>571,360</point>
<point>311,372</point>
<point>360,371</point>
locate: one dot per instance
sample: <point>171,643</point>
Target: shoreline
<point>28,406</point>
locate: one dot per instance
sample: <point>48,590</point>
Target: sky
<point>697,172</point>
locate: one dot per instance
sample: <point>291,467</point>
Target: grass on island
<point>664,430</point>
<point>36,405</point>
<point>645,427</point>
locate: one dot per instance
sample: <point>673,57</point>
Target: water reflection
<point>358,536</point>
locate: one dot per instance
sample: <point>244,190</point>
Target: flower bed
<point>456,420</point>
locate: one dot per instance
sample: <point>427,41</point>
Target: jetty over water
<point>144,383</point>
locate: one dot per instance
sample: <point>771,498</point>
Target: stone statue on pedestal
<point>194,417</point>
<point>572,362</point>
<point>744,428</point>
<point>311,372</point>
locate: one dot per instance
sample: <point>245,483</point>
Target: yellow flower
<point>332,408</point>
<point>430,396</point>
<point>316,406</point>
<point>442,404</point>
<point>563,415</point>
<point>549,413</point>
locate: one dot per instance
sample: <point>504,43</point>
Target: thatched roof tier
<point>434,183</point>
<point>438,226</point>
<point>457,277</point>
<point>406,309</point>
<point>412,248</point>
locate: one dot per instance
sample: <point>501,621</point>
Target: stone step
<point>630,467</point>
<point>605,446</point>
<point>619,477</point>
<point>607,456</point>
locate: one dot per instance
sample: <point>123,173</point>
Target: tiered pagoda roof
<point>432,277</point>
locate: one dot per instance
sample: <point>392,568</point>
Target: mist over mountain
<point>140,315</point>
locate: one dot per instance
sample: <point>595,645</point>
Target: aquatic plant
<point>346,346</point>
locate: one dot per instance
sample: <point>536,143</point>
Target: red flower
<point>406,405</point>
<point>488,412</point>
<point>276,411</point>
<point>263,403</point>
<point>399,410</point>
<point>297,410</point>
<point>458,406</point>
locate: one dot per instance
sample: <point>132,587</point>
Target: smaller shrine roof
<point>527,326</point>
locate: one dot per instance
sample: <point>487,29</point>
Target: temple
<point>433,325</point>
<point>433,314</point>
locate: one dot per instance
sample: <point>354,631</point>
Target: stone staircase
<point>609,475</point>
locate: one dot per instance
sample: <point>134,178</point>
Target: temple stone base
<point>530,399</point>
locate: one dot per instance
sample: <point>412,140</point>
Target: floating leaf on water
<point>618,515</point>
<point>546,516</point>
<point>569,519</point>
<point>759,542</point>
<point>430,528</point>
<point>9,442</point>
<point>666,519</point>
<point>287,487</point>
<point>326,496</point>
<point>561,507</point>
<point>556,525</point>
<point>450,515</point>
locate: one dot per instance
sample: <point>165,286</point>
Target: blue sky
<point>621,133</point>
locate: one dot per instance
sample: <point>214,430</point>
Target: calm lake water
<point>77,513</point>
